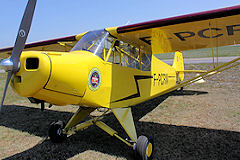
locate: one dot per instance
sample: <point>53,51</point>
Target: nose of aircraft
<point>32,75</point>
<point>57,78</point>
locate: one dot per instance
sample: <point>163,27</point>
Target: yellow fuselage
<point>63,78</point>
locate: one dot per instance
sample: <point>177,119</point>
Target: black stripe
<point>136,77</point>
<point>62,92</point>
<point>50,70</point>
<point>49,80</point>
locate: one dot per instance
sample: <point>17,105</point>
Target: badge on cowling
<point>94,79</point>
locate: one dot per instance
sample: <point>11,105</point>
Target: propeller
<point>12,64</point>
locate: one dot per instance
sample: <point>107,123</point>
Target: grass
<point>202,122</point>
<point>225,51</point>
<point>11,96</point>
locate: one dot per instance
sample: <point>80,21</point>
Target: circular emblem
<point>94,79</point>
<point>22,33</point>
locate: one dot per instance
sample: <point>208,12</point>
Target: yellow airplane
<point>114,69</point>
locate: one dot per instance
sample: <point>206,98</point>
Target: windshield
<point>92,41</point>
<point>115,51</point>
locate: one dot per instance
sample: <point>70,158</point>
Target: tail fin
<point>179,66</point>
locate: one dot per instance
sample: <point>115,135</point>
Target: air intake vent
<point>32,63</point>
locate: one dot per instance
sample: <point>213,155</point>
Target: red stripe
<point>43,43</point>
<point>217,13</point>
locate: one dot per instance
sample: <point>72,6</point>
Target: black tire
<point>144,148</point>
<point>55,132</point>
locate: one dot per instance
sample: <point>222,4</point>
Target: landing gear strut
<point>142,146</point>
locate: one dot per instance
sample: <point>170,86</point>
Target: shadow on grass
<point>187,93</point>
<point>171,142</point>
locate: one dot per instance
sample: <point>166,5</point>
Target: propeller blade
<point>12,64</point>
<point>9,75</point>
<point>22,34</point>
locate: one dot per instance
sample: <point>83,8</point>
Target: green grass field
<point>226,51</point>
<point>202,122</point>
<point>11,95</point>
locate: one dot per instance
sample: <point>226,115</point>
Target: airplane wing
<point>215,28</point>
<point>210,29</point>
<point>207,29</point>
<point>63,44</point>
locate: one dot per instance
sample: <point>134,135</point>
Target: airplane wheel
<point>55,132</point>
<point>144,148</point>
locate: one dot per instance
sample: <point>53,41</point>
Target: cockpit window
<point>128,55</point>
<point>92,41</point>
<point>110,49</point>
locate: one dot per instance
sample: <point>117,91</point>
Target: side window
<point>118,48</point>
<point>134,58</point>
<point>124,54</point>
<point>129,55</point>
<point>145,61</point>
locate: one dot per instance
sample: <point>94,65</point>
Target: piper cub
<point>114,68</point>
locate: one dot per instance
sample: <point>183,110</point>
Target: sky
<point>60,18</point>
